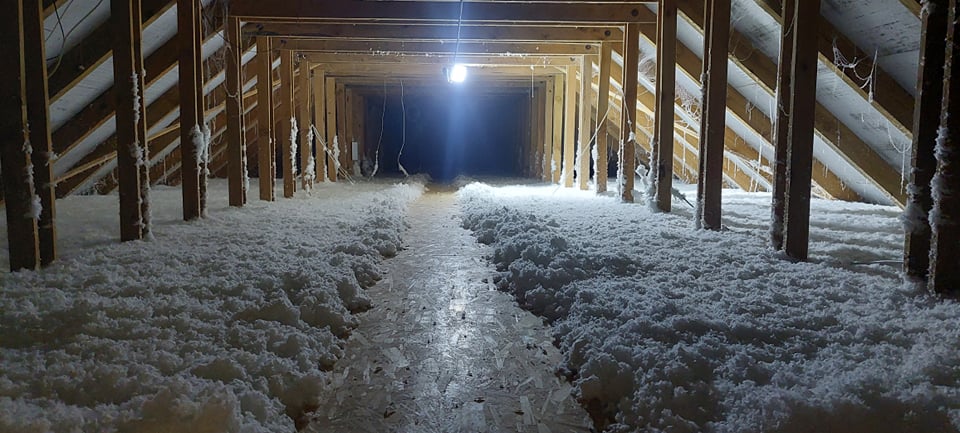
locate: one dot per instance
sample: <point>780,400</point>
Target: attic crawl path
<point>444,351</point>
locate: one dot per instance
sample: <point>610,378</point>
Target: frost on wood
<point>135,79</point>
<point>294,130</point>
<point>235,341</point>
<point>938,185</point>
<point>702,337</point>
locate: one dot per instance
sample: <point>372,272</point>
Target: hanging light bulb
<point>458,73</point>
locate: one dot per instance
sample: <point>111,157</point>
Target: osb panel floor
<point>442,350</point>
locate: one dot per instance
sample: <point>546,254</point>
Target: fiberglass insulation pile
<point>220,325</point>
<point>669,329</point>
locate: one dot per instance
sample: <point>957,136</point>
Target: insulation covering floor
<point>442,350</point>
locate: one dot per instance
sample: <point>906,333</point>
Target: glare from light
<point>458,73</point>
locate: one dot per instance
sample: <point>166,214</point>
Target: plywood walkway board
<point>803,104</point>
<point>662,160</point>
<point>18,189</point>
<point>437,32</point>
<point>38,119</point>
<point>713,117</point>
<point>628,139</point>
<point>236,139</point>
<point>944,254</point>
<point>436,11</point>
<point>191,104</point>
<point>926,126</point>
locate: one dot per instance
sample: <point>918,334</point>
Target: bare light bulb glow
<point>458,73</point>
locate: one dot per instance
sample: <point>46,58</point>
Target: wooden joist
<point>131,123</point>
<point>803,101</point>
<point>713,117</point>
<point>603,109</point>
<point>945,217</point>
<point>627,163</point>
<point>38,121</point>
<point>18,187</point>
<point>829,128</point>
<point>583,142</point>
<point>436,11</point>
<point>435,32</point>
<point>661,160</point>
<point>191,106</point>
<point>434,47</point>
<point>236,136</point>
<point>267,159</point>
<point>926,127</point>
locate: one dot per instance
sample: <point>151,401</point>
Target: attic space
<point>690,216</point>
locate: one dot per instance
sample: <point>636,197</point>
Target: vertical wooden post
<point>319,121</point>
<point>628,139</point>
<point>586,103</point>
<point>782,126</point>
<point>286,113</point>
<point>540,128</point>
<point>236,142</point>
<point>191,106</point>
<point>331,106</point>
<point>348,115</point>
<point>569,126</point>
<point>305,95</point>
<point>559,114</point>
<point>926,125</point>
<point>800,147</point>
<point>264,64</point>
<point>359,128</point>
<point>661,161</point>
<point>344,140</point>
<point>603,108</point>
<point>945,227</point>
<point>18,188</point>
<point>127,91</point>
<point>714,110</point>
<point>141,83</point>
<point>38,118</point>
<point>548,118</point>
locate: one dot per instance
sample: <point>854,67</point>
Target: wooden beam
<point>945,217</point>
<point>330,91</point>
<point>782,129</point>
<point>547,148</point>
<point>803,102</point>
<point>559,117</point>
<point>38,118</point>
<point>127,31</point>
<point>834,133</point>
<point>319,121</point>
<point>627,163</point>
<point>343,139</point>
<point>23,237</point>
<point>447,47</point>
<point>661,160</point>
<point>583,143</point>
<point>713,125</point>
<point>427,32</point>
<point>191,105</point>
<point>603,107</point>
<point>569,127</point>
<point>305,96</point>
<point>926,127</point>
<point>286,112</point>
<point>441,59</point>
<point>236,140</point>
<point>267,159</point>
<point>74,65</point>
<point>436,11</point>
<point>878,89</point>
<point>348,113</point>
